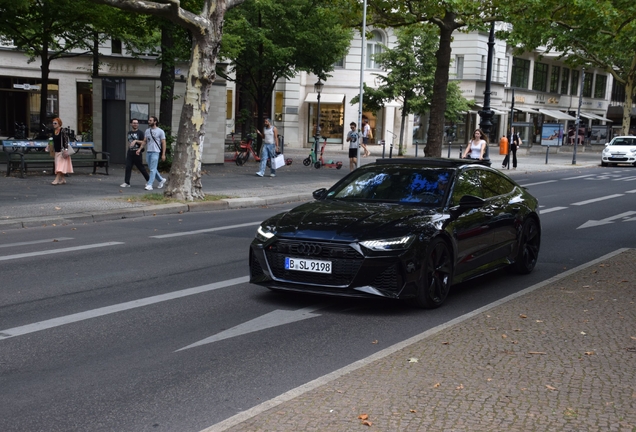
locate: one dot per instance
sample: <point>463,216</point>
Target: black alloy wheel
<point>307,161</point>
<point>529,245</point>
<point>437,272</point>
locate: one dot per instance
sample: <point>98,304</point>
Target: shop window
<point>113,89</point>
<point>331,121</point>
<point>229,103</point>
<point>278,106</point>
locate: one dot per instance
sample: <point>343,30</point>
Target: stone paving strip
<point>560,357</point>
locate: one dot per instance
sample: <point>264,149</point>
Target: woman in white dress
<point>476,148</point>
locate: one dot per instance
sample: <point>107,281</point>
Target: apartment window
<point>587,85</point>
<point>115,46</point>
<point>520,73</point>
<point>574,85</point>
<point>374,46</point>
<point>459,67</point>
<point>600,87</point>
<point>498,78</point>
<point>565,80</point>
<point>540,80</point>
<point>339,64</point>
<point>554,79</point>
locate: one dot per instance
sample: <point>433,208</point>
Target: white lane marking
<point>631,178</point>
<point>330,377</point>
<point>590,201</point>
<point>631,191</point>
<point>107,310</point>
<point>539,183</point>
<point>36,242</point>
<point>49,252</point>
<point>206,230</point>
<point>272,319</point>
<point>550,210</point>
<point>608,220</point>
<point>579,177</point>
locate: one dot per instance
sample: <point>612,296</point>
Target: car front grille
<point>345,262</point>
<point>255,267</point>
<point>617,159</point>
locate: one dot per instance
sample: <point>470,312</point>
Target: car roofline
<point>432,162</point>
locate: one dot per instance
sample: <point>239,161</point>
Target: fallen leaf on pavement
<point>539,321</point>
<point>633,337</point>
<point>58,208</point>
<point>363,416</point>
<point>367,423</point>
<point>413,411</point>
<point>437,385</point>
<point>412,360</point>
<point>523,316</point>
<point>375,342</point>
<point>459,387</point>
<point>445,343</point>
<point>589,352</point>
<point>503,336</point>
<point>583,333</point>
<point>536,352</point>
<point>550,387</point>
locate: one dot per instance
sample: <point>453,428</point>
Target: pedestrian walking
<point>270,147</point>
<point>133,155</point>
<point>476,148</point>
<point>155,144</point>
<point>352,139</point>
<point>515,141</point>
<point>63,164</point>
<point>366,135</point>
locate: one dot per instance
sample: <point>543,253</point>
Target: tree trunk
<point>627,106</point>
<point>438,103</point>
<point>44,90</point>
<point>166,76</point>
<point>185,175</point>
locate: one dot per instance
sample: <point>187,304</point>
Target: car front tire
<point>529,246</point>
<point>436,276</point>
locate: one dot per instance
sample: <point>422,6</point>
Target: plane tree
<point>447,16</point>
<point>205,25</point>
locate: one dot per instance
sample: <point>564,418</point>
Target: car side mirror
<point>319,194</point>
<point>467,202</point>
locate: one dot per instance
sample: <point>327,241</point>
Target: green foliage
<point>266,40</point>
<point>456,104</point>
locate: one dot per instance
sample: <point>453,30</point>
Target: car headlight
<point>389,244</point>
<point>264,233</point>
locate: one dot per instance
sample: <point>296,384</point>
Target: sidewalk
<point>559,356</point>
<point>33,201</point>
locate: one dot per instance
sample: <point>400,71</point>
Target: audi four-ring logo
<point>308,249</point>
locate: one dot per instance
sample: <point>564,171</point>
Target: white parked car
<point>621,150</point>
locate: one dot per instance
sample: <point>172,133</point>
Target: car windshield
<point>402,184</point>
<point>626,141</point>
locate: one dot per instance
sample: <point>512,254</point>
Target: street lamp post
<point>318,89</point>
<point>487,114</point>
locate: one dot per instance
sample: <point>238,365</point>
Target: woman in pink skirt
<point>63,164</point>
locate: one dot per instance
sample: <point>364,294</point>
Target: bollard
<point>281,143</point>
<point>383,144</point>
<point>416,145</point>
<point>449,148</point>
<point>460,151</point>
<point>391,150</point>
<point>547,150</point>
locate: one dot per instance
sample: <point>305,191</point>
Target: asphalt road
<point>101,337</point>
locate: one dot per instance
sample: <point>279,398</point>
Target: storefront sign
<point>27,86</point>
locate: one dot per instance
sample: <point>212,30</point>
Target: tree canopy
<point>266,40</point>
<point>600,33</point>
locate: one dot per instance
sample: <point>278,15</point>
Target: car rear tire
<point>529,246</point>
<point>437,272</point>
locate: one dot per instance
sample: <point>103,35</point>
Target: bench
<point>20,154</point>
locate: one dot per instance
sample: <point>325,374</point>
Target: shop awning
<point>556,114</point>
<point>592,116</point>
<point>498,111</point>
<point>527,110</point>
<point>332,98</point>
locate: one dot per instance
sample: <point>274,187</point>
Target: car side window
<point>494,184</point>
<point>468,183</point>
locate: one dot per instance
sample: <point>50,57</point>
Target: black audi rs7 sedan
<point>400,229</point>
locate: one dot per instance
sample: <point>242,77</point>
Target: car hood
<point>352,221</point>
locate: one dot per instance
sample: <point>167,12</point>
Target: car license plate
<point>314,266</point>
